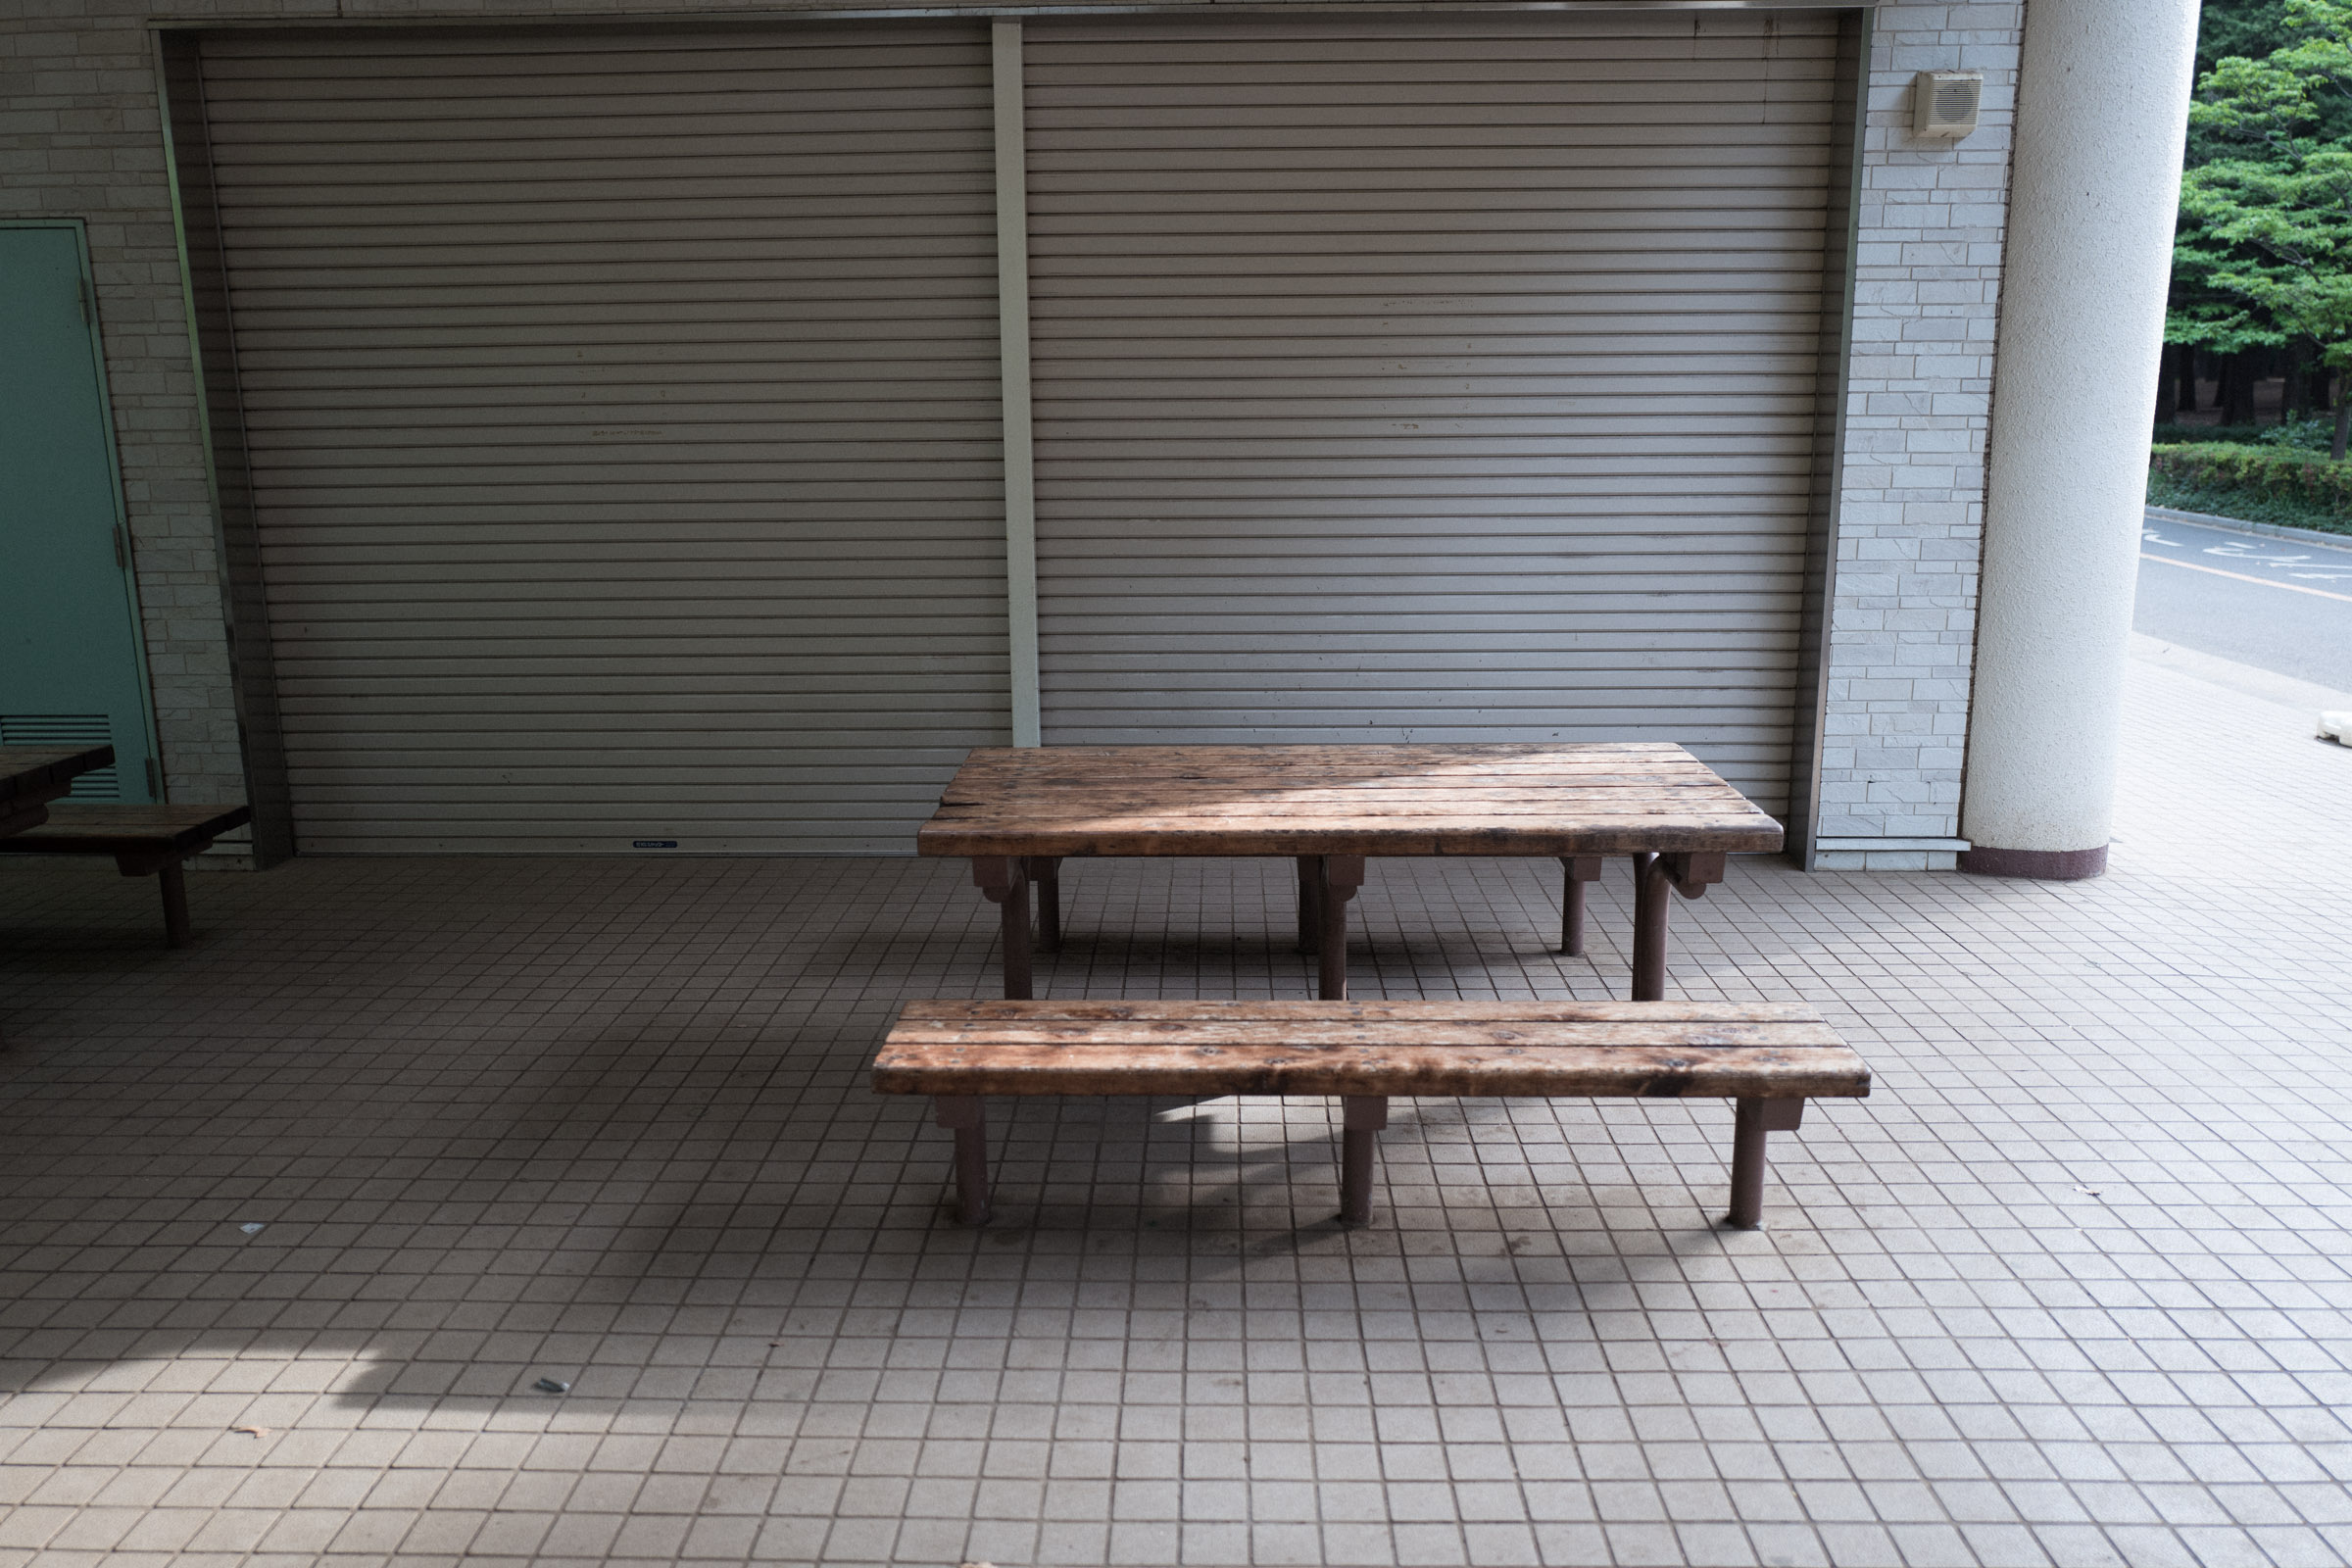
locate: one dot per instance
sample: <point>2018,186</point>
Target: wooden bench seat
<point>1768,1057</point>
<point>144,840</point>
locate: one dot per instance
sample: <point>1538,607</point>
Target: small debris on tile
<point>252,1227</point>
<point>551,1385</point>
<point>2090,1191</point>
<point>252,1431</point>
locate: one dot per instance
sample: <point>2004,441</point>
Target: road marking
<point>2267,582</point>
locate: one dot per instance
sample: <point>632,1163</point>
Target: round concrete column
<point>2102,111</point>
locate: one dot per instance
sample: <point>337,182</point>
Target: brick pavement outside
<point>2069,1288</point>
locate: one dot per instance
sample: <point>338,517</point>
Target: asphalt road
<point>2276,603</point>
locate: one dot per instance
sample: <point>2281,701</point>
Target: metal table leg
<point>1044,870</point>
<point>1311,902</point>
<point>1655,875</point>
<point>1649,928</point>
<point>1576,870</point>
<point>1005,880</point>
<point>1338,876</point>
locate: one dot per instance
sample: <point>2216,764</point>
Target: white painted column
<point>1012,357</point>
<point>2102,111</point>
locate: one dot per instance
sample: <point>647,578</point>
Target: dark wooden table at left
<point>31,776</point>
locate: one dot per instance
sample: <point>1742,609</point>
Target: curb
<point>2205,519</point>
<point>2247,681</point>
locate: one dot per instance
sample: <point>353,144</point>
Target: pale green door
<point>71,667</point>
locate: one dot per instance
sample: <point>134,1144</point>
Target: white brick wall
<point>79,136</point>
<point>1929,267</point>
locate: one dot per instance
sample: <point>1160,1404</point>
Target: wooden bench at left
<point>145,841</point>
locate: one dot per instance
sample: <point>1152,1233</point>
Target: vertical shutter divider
<point>1012,318</point>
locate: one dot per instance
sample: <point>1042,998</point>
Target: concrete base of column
<point>2044,865</point>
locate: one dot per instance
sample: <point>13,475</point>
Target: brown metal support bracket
<point>1693,872</point>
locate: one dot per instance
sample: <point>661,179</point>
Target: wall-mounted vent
<point>67,729</point>
<point>1945,103</point>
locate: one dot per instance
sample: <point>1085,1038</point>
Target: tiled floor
<point>2069,1288</point>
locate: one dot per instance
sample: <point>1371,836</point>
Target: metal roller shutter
<point>623,413</point>
<point>1428,379</point>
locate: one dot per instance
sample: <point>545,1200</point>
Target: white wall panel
<point>1428,378</point>
<point>623,419</point>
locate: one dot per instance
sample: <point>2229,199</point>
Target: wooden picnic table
<point>1017,813</point>
<point>31,776</point>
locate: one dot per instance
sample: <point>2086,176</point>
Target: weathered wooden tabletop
<point>1598,798</point>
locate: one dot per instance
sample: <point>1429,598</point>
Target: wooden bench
<point>144,840</point>
<point>1767,1058</point>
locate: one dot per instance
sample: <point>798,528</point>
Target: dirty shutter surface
<point>624,421</point>
<point>1445,379</point>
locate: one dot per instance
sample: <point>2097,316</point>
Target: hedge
<point>2278,474</point>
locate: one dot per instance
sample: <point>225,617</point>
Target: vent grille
<point>1945,103</point>
<point>67,729</point>
<point>1955,102</point>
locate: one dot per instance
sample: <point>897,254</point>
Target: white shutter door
<point>1428,379</point>
<point>624,429</point>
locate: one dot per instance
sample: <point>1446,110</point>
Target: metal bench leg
<point>1044,870</point>
<point>1337,878</point>
<point>1576,871</point>
<point>1361,1117</point>
<point>1751,1119</point>
<point>1005,880</point>
<point>965,1116</point>
<point>173,875</point>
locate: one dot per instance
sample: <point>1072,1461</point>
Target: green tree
<point>2264,251</point>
